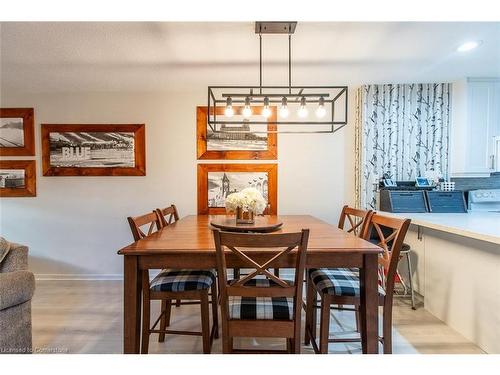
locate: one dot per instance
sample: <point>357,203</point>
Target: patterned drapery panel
<point>403,134</point>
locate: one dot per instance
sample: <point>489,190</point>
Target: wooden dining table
<point>188,243</point>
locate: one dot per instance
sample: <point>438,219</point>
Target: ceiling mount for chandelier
<point>298,109</point>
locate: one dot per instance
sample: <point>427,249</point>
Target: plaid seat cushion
<point>265,308</point>
<point>170,280</point>
<point>338,281</point>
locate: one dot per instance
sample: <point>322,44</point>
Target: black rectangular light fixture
<point>329,103</point>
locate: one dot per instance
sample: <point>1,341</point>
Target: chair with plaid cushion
<point>172,284</point>
<point>341,285</point>
<point>260,304</point>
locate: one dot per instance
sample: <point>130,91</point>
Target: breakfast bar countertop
<point>484,226</point>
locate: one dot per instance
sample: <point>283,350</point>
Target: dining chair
<point>358,220</point>
<point>167,216</point>
<point>353,220</point>
<point>172,284</point>
<point>260,304</point>
<point>341,285</point>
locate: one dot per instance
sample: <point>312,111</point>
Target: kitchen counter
<point>484,226</point>
<point>456,267</point>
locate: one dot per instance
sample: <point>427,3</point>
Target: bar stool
<point>406,252</point>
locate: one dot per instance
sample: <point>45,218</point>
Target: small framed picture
<point>422,182</point>
<point>217,181</point>
<point>93,150</point>
<point>17,178</point>
<point>17,132</point>
<point>236,141</point>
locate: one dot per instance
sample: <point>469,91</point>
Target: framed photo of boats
<point>17,132</point>
<point>217,181</point>
<point>17,178</point>
<point>236,141</point>
<point>93,150</point>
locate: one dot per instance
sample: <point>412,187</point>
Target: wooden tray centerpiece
<point>262,224</point>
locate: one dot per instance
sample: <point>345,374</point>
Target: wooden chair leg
<point>289,346</point>
<point>205,322</point>
<point>177,303</point>
<point>166,308</point>
<point>146,316</point>
<point>215,310</point>
<point>310,311</point>
<point>296,343</point>
<point>387,329</point>
<point>277,272</point>
<point>227,344</point>
<point>324,325</point>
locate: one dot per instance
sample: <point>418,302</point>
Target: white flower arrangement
<point>249,199</point>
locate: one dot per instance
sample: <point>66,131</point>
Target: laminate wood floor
<point>86,317</point>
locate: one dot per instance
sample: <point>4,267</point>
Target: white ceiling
<point>181,56</point>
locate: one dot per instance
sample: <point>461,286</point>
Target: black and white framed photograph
<point>92,149</point>
<point>11,132</point>
<point>221,184</point>
<point>96,150</point>
<point>12,179</point>
<point>17,178</point>
<point>238,140</point>
<point>217,181</point>
<point>17,132</point>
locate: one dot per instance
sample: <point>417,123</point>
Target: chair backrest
<point>389,233</point>
<point>150,221</point>
<point>167,215</point>
<point>358,220</point>
<point>241,246</point>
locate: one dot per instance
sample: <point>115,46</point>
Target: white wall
<point>75,225</point>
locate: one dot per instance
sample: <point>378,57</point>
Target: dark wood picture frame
<point>139,168</point>
<point>201,139</point>
<point>27,114</point>
<point>204,169</point>
<point>29,189</point>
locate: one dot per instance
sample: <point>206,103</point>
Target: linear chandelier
<point>301,109</point>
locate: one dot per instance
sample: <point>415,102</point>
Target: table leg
<point>131,305</point>
<point>369,304</point>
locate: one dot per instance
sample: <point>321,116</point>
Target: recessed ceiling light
<point>468,46</point>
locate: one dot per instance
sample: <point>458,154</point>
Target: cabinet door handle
<point>492,158</point>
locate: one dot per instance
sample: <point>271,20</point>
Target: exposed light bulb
<point>247,111</point>
<point>266,112</point>
<point>303,112</point>
<point>284,112</point>
<point>229,111</point>
<point>321,111</point>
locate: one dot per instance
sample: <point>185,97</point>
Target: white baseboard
<point>286,273</point>
<point>68,276</point>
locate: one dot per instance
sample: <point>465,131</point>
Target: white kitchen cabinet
<point>475,124</point>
